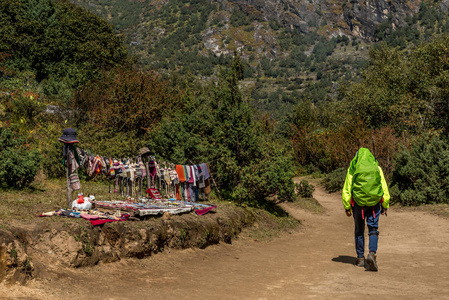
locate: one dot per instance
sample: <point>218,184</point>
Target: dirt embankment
<point>27,250</point>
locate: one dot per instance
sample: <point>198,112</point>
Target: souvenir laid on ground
<point>199,208</point>
<point>83,203</point>
<point>95,216</point>
<point>202,209</point>
<point>153,207</point>
<point>154,194</point>
<point>156,207</point>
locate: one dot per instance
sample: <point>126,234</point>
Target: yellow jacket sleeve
<point>386,203</point>
<point>347,190</point>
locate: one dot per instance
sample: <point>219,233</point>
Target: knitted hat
<point>145,151</point>
<point>68,136</point>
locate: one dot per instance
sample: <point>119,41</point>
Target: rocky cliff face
<point>363,16</point>
<point>333,17</point>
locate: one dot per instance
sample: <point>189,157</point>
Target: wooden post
<point>69,189</point>
<point>215,184</point>
<point>160,178</point>
<point>147,168</point>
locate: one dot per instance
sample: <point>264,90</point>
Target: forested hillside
<point>85,79</point>
<point>278,100</point>
<point>292,49</point>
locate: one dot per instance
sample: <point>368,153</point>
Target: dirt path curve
<point>314,262</point>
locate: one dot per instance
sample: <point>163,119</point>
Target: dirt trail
<point>314,262</point>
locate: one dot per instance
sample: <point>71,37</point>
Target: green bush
<point>334,181</point>
<point>62,44</point>
<point>304,189</point>
<point>52,160</point>
<point>26,111</point>
<point>217,126</point>
<point>421,175</point>
<point>19,164</point>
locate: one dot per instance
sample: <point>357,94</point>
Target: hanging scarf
<point>205,171</point>
<point>180,172</point>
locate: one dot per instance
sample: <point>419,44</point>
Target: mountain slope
<point>292,49</point>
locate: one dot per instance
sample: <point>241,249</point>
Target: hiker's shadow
<point>345,259</point>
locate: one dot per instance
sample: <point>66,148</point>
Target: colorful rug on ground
<point>149,208</point>
<point>95,216</point>
<point>156,207</point>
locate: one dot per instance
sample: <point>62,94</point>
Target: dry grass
<point>268,226</point>
<point>47,195</point>
<point>309,204</point>
<point>441,210</point>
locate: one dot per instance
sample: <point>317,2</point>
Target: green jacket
<point>347,188</point>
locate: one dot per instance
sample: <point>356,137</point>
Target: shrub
<point>334,181</point>
<point>52,159</point>
<point>19,164</point>
<point>329,148</point>
<point>421,175</point>
<point>304,189</point>
<point>85,42</point>
<point>126,100</point>
<point>217,126</point>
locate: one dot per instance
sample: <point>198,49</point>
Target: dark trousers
<point>371,215</point>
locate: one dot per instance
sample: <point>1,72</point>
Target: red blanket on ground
<point>203,211</point>
<point>102,221</point>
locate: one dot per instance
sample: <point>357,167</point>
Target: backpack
<point>366,187</point>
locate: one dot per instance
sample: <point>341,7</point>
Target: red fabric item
<point>102,221</point>
<point>192,179</point>
<point>80,199</point>
<point>201,212</point>
<point>154,193</point>
<point>178,192</point>
<point>180,170</point>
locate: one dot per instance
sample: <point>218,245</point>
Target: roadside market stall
<point>171,188</point>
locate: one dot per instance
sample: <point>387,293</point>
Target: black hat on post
<point>145,152</point>
<point>68,136</point>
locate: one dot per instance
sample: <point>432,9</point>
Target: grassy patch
<point>269,225</point>
<point>50,195</point>
<point>309,204</point>
<point>441,210</point>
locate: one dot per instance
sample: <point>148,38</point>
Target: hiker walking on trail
<point>365,196</point>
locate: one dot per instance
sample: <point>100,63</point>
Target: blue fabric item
<point>371,214</point>
<point>205,171</point>
<point>74,214</point>
<point>197,196</point>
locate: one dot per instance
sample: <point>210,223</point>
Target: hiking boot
<point>360,262</point>
<point>371,260</point>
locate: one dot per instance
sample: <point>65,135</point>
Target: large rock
<point>354,17</point>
